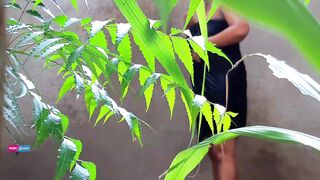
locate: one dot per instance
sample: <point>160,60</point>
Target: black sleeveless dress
<point>215,87</point>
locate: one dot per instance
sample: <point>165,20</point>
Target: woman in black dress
<point>226,30</point>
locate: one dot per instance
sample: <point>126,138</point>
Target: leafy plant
<point>88,64</point>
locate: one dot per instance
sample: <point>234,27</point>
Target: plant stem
<point>21,15</point>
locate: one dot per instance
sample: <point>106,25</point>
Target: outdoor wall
<point>272,102</point>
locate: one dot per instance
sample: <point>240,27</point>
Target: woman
<point>226,30</point>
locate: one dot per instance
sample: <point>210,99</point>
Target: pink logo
<point>13,148</point>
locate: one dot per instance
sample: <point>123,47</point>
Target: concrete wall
<point>271,102</point>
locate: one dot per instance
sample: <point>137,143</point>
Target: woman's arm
<point>236,32</point>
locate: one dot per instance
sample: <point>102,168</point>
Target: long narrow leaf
<point>185,161</point>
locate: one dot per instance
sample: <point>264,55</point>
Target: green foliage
<point>183,50</point>
<point>301,22</point>
<point>156,43</point>
<point>91,167</point>
<point>87,171</point>
<point>79,173</point>
<point>66,155</point>
<point>192,9</point>
<point>186,160</point>
<point>147,81</point>
<point>169,91</point>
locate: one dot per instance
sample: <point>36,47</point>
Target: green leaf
<point>182,49</point>
<point>74,56</point>
<point>307,2</point>
<point>52,49</point>
<point>185,162</point>
<point>303,82</point>
<point>232,114</point>
<point>64,122</point>
<point>108,116</point>
<point>37,2</point>
<point>133,123</point>
<point>94,63</point>
<point>213,49</point>
<point>150,81</point>
<point>86,21</point>
<point>147,82</point>
<point>217,119</point>
<point>75,4</point>
<point>69,22</point>
<point>127,78</point>
<point>66,154</point>
<point>79,84</point>
<point>60,20</point>
<point>146,53</point>
<point>207,112</point>
<point>17,28</point>
<point>197,104</point>
<point>214,6</point>
<point>226,122</point>
<point>46,9</point>
<point>50,125</point>
<point>104,110</point>
<point>91,167</point>
<point>175,31</point>
<point>12,5</point>
<point>112,32</point>
<point>79,173</point>
<point>78,144</point>
<point>66,87</point>
<point>166,41</point>
<point>99,40</point>
<point>192,9</point>
<point>124,49</point>
<point>122,31</point>
<point>11,22</point>
<point>91,103</point>
<point>125,52</point>
<point>303,29</point>
<point>187,109</point>
<point>165,8</point>
<point>36,14</point>
<point>198,46</point>
<point>201,13</point>
<point>11,110</point>
<point>97,26</point>
<point>169,93</point>
<point>38,49</point>
<point>154,42</point>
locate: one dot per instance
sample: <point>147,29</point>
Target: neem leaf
<point>127,77</point>
<point>170,92</point>
<point>97,26</point>
<point>78,144</point>
<point>182,49</point>
<point>147,81</point>
<point>207,112</point>
<point>91,167</point>
<point>66,87</point>
<point>185,162</point>
<point>80,173</point>
<point>66,154</point>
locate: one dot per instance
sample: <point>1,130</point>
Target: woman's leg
<point>223,161</point>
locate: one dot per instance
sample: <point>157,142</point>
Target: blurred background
<point>272,102</point>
